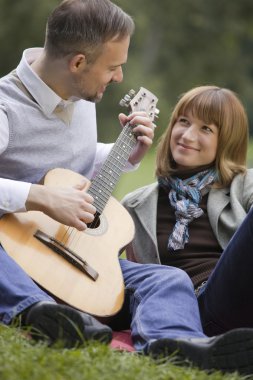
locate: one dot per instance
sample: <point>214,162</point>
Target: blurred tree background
<point>177,44</point>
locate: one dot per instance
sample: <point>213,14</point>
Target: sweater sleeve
<point>13,194</point>
<point>4,129</point>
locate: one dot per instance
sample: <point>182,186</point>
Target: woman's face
<point>193,143</point>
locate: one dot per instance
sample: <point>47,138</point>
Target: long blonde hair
<point>213,105</point>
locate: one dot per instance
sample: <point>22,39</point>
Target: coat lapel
<point>217,201</point>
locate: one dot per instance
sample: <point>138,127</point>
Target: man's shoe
<point>53,322</point>
<point>229,352</point>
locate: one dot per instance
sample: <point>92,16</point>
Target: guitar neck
<point>105,181</point>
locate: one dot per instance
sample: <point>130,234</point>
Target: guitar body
<point>99,247</point>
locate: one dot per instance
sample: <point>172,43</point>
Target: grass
<point>21,359</point>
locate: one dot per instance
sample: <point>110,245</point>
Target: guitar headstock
<point>143,100</point>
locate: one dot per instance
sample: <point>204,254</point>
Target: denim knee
<point>167,277</point>
<point>177,277</point>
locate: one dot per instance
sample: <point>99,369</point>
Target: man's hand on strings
<point>71,206</point>
<point>143,128</point>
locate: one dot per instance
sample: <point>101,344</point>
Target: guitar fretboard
<point>104,183</point>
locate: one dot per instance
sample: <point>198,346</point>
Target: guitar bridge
<point>67,254</point>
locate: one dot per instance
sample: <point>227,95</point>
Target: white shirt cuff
<point>13,195</point>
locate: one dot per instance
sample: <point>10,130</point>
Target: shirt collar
<point>43,95</point>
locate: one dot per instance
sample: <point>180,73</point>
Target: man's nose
<point>118,75</point>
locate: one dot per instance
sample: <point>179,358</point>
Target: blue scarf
<point>185,197</point>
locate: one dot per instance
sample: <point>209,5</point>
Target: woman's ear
<point>77,63</point>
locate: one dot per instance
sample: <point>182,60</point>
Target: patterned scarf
<point>185,197</point>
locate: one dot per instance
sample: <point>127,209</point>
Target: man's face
<point>91,80</point>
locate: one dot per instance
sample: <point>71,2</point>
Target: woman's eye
<point>183,121</point>
<point>206,128</point>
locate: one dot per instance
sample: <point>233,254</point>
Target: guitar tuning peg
<point>154,114</point>
<point>127,98</point>
<point>157,111</point>
<point>123,103</point>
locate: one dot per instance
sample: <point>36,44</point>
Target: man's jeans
<point>17,290</point>
<point>161,299</point>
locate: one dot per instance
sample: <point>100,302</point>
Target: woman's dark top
<point>200,254</point>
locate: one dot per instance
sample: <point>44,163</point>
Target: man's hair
<point>83,26</point>
<point>213,105</point>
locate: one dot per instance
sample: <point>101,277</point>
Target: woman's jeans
<point>163,302</point>
<point>160,299</point>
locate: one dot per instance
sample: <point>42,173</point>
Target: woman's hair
<point>218,106</point>
<point>83,26</point>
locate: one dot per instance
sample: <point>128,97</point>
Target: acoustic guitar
<point>81,268</point>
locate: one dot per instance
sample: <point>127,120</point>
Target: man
<point>48,120</point>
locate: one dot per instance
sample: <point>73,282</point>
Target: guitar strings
<point>67,235</point>
<point>71,235</point>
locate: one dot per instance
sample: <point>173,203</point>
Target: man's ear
<point>77,62</point>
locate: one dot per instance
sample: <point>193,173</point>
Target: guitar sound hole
<point>95,223</point>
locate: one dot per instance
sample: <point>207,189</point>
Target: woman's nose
<point>190,133</point>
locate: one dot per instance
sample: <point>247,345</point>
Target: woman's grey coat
<point>226,210</point>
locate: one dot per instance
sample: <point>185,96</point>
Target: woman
<point>196,220</point>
